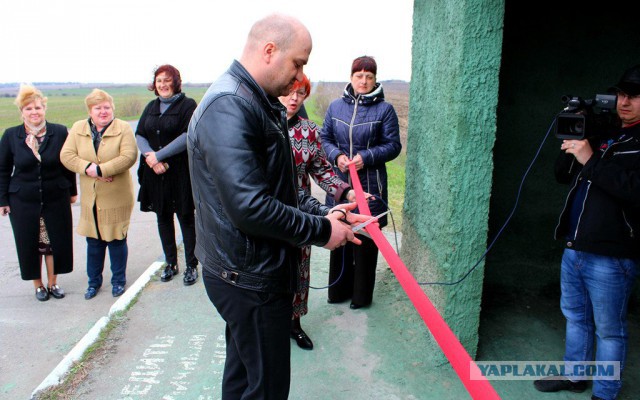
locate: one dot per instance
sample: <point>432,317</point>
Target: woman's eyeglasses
<point>299,92</point>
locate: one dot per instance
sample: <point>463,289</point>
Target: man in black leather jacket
<point>250,215</point>
<point>599,226</point>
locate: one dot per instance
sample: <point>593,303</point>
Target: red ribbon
<point>479,388</point>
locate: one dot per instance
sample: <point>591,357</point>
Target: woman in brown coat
<point>36,191</point>
<point>102,149</point>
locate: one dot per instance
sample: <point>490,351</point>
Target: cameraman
<point>599,224</point>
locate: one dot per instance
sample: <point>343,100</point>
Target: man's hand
<point>341,232</point>
<point>5,210</point>
<point>73,199</point>
<point>581,149</point>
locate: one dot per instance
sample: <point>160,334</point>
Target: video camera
<point>585,118</point>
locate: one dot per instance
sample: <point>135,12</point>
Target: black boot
<point>170,270</point>
<point>190,275</point>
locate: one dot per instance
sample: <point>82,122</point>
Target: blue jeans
<point>118,254</point>
<point>595,295</point>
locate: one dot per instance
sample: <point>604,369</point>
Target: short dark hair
<point>172,72</point>
<point>365,63</point>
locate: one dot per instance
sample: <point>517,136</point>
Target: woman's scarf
<point>169,99</point>
<point>96,135</point>
<point>34,137</point>
<point>165,102</point>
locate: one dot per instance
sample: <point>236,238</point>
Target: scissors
<point>362,225</point>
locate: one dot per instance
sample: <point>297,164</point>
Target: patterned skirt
<point>44,245</point>
<point>301,297</point>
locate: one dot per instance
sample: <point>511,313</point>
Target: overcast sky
<point>122,41</point>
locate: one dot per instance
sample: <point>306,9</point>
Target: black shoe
<point>90,293</point>
<point>42,294</point>
<point>552,384</point>
<point>190,275</point>
<point>355,306</point>
<point>594,397</point>
<point>170,270</point>
<point>304,342</point>
<point>335,301</point>
<point>56,292</point>
<point>117,290</point>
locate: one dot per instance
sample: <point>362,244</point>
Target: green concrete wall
<point>452,123</point>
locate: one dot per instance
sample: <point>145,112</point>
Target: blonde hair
<point>28,94</point>
<point>98,96</point>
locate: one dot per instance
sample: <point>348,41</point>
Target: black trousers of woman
<point>167,231</point>
<point>355,266</point>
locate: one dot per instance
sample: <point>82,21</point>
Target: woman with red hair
<point>311,162</point>
<point>163,173</point>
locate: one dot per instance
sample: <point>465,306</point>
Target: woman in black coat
<point>36,191</point>
<point>163,174</point>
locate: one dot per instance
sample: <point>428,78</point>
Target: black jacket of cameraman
<point>250,215</point>
<point>609,216</point>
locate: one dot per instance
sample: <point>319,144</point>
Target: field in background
<point>66,106</point>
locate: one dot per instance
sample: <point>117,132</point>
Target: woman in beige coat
<point>102,149</point>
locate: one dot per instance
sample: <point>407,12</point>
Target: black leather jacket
<point>250,216</point>
<point>609,217</point>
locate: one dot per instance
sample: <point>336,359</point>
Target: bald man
<point>251,218</point>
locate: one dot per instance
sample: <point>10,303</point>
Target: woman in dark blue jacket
<point>362,128</point>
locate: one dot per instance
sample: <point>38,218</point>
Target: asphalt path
<point>35,336</point>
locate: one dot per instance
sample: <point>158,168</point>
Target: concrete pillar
<point>452,125</point>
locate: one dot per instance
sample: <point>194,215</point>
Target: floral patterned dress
<point>311,162</point>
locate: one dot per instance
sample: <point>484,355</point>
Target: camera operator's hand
<point>581,149</point>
